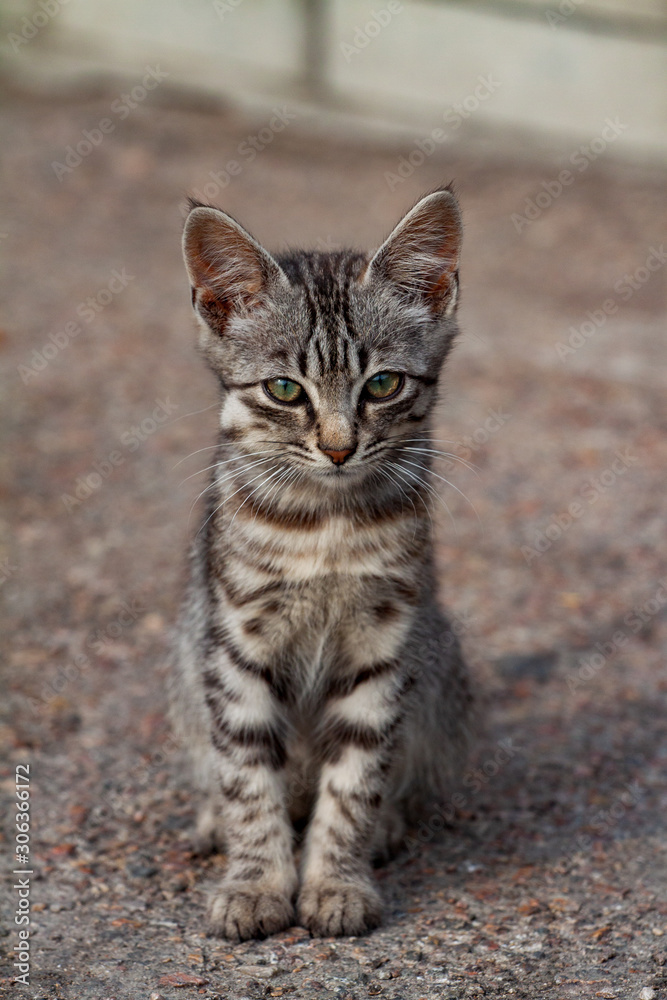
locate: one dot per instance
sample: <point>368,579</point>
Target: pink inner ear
<point>421,255</point>
<point>221,261</point>
<point>448,253</point>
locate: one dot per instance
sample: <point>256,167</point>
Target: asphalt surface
<point>549,880</point>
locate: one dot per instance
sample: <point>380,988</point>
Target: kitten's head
<point>328,359</point>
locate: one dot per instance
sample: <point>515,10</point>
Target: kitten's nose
<point>337,457</point>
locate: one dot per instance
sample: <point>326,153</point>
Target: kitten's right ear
<point>228,270</point>
<point>420,259</point>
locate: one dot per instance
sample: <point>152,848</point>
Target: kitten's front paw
<point>334,907</point>
<point>239,911</point>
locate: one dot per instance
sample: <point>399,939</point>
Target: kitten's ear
<point>421,257</point>
<point>228,269</point>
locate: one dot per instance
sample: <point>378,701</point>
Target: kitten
<point>318,684</point>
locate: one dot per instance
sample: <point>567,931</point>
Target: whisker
<point>446,454</point>
<point>294,444</point>
<point>225,499</point>
<point>223,479</point>
<point>289,476</point>
<point>403,493</point>
<point>209,447</point>
<point>193,414</point>
<point>300,451</point>
<point>216,465</point>
<point>413,488</point>
<point>433,492</point>
<point>295,480</point>
<point>430,471</point>
<point>252,493</point>
<point>429,440</point>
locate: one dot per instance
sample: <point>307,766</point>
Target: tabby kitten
<point>318,685</point>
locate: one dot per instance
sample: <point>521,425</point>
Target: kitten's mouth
<point>338,473</point>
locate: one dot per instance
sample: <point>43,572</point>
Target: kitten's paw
<point>334,907</point>
<point>239,911</point>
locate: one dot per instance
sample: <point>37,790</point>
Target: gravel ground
<point>548,880</point>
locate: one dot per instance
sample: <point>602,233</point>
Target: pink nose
<point>337,457</point>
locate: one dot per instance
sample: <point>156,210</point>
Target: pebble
<point>258,971</point>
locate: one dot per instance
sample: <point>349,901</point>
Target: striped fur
<point>317,683</point>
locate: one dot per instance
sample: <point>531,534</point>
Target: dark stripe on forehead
<point>320,355</point>
<point>326,280</point>
<point>327,296</point>
<point>332,341</point>
<point>311,307</point>
<point>347,312</point>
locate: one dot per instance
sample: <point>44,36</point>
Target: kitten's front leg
<point>255,897</point>
<point>360,729</point>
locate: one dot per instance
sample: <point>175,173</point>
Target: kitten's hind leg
<point>442,716</point>
<point>389,835</point>
<point>208,836</point>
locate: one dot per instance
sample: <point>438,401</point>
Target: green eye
<point>283,389</point>
<point>384,384</point>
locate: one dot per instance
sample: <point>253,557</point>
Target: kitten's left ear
<point>421,256</point>
<point>226,266</point>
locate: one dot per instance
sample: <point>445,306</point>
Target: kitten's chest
<point>317,599</point>
<point>337,593</point>
<point>336,547</point>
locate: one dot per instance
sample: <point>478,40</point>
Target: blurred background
<point>320,124</point>
<point>558,68</point>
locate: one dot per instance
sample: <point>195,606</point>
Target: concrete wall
<point>419,64</point>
